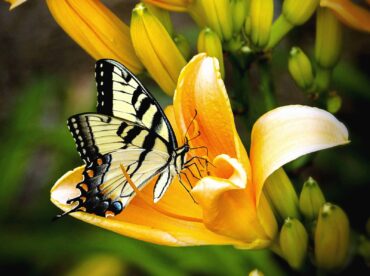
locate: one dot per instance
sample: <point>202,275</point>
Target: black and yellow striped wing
<point>120,94</point>
<point>131,129</point>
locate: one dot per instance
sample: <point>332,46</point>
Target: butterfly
<point>129,128</point>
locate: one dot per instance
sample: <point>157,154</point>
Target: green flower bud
<point>311,199</point>
<point>239,10</point>
<point>333,102</point>
<point>247,25</point>
<point>163,16</point>
<point>261,15</point>
<point>328,39</point>
<point>281,195</point>
<point>234,45</point>
<point>293,242</point>
<point>300,68</point>
<point>331,237</point>
<point>298,12</point>
<point>183,45</point>
<point>210,43</point>
<point>294,13</point>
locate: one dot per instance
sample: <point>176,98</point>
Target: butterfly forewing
<point>121,95</point>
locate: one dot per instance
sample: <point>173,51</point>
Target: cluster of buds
<point>309,222</point>
<point>328,46</point>
<point>241,27</point>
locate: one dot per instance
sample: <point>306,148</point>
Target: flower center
<point>152,205</point>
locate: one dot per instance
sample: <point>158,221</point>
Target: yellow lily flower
<point>349,13</point>
<point>172,5</point>
<point>96,29</point>
<point>15,3</point>
<point>231,207</point>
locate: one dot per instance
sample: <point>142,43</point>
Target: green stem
<point>278,30</point>
<point>322,80</point>
<point>266,86</point>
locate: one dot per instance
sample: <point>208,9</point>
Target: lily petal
<point>139,220</point>
<point>287,133</point>
<point>200,89</point>
<point>349,13</point>
<point>96,29</point>
<point>228,208</point>
<point>172,5</point>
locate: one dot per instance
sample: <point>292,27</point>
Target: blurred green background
<point>46,77</point>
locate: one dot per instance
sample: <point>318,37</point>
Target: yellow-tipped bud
<point>281,195</point>
<point>15,3</point>
<point>333,102</point>
<point>311,199</point>
<point>300,68</point>
<point>183,45</point>
<point>163,16</point>
<point>156,49</point>
<point>256,272</point>
<point>261,15</point>
<point>103,35</point>
<point>328,39</point>
<point>218,17</point>
<point>293,242</point>
<point>298,12</point>
<point>210,43</point>
<point>239,10</point>
<point>331,237</point>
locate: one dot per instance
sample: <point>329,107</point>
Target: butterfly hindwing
<point>104,188</point>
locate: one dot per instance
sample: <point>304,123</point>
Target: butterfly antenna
<point>191,122</point>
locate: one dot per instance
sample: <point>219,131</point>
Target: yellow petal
<point>15,3</point>
<point>287,133</point>
<point>156,49</point>
<point>200,89</point>
<point>139,220</point>
<point>172,5</point>
<point>229,208</point>
<point>96,29</point>
<point>349,13</point>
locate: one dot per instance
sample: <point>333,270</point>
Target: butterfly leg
<point>187,178</point>
<point>189,166</point>
<point>182,184</point>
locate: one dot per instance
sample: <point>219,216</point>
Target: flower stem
<point>266,86</point>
